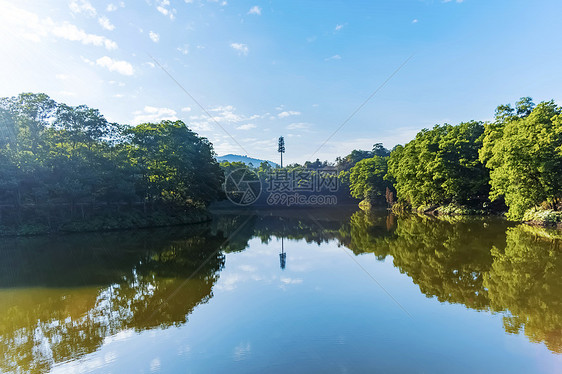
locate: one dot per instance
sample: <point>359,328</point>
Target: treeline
<point>301,174</point>
<point>514,160</point>
<point>59,162</point>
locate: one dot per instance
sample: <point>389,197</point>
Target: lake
<point>295,291</point>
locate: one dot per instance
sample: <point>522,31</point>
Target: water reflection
<point>60,302</point>
<point>526,280</point>
<point>62,297</point>
<point>483,264</point>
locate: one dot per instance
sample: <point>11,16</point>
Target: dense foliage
<point>516,159</point>
<point>441,166</point>
<point>367,179</point>
<point>57,160</point>
<point>523,150</point>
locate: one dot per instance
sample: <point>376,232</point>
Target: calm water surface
<point>296,291</point>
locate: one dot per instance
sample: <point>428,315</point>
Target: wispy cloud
<point>30,26</point>
<point>339,27</point>
<point>119,66</point>
<point>82,6</point>
<point>288,113</point>
<point>291,280</point>
<point>241,48</point>
<point>113,7</point>
<point>71,32</point>
<point>183,50</point>
<point>163,6</point>
<point>67,93</point>
<point>153,114</point>
<point>247,126</point>
<point>225,115</point>
<point>255,10</point>
<point>415,20</point>
<point>334,57</point>
<point>298,126</point>
<point>105,23</point>
<point>154,36</point>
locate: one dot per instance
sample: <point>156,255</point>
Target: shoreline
<point>538,217</point>
<point>111,223</point>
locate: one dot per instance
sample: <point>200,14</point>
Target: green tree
<point>56,159</point>
<point>441,166</point>
<point>524,155</point>
<point>177,166</point>
<point>367,179</point>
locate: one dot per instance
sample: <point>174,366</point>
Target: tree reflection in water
<point>61,297</point>
<point>82,289</point>
<point>483,264</point>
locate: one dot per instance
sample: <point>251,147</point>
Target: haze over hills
<point>245,159</point>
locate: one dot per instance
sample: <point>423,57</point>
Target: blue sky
<point>294,68</point>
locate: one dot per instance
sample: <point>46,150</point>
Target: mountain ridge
<point>245,159</point>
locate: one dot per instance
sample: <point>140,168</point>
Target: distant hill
<point>245,159</point>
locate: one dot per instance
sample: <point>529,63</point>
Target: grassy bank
<point>108,222</point>
<point>543,217</point>
<point>536,216</point>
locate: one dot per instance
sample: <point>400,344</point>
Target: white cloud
<point>224,115</point>
<point>334,57</point>
<point>30,26</point>
<point>153,114</point>
<point>415,20</point>
<point>247,126</point>
<point>242,351</point>
<point>248,268</point>
<point>241,48</point>
<point>67,93</point>
<point>113,7</point>
<point>61,77</point>
<point>155,365</point>
<point>162,7</point>
<point>291,280</point>
<point>121,67</point>
<point>288,113</point>
<point>89,62</point>
<point>298,126</point>
<point>154,36</point>
<point>183,50</point>
<point>338,27</point>
<point>82,6</point>
<point>71,32</point>
<point>186,109</point>
<point>255,10</point>
<point>163,10</point>
<point>116,83</point>
<point>105,23</point>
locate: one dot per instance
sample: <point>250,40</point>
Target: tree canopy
<point>54,156</point>
<point>523,151</point>
<point>440,166</point>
